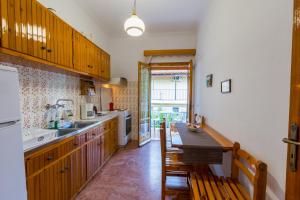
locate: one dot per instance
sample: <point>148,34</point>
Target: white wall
<point>75,16</point>
<point>127,51</point>
<point>249,42</point>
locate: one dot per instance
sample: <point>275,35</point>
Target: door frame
<point>178,66</point>
<point>149,106</point>
<point>293,174</point>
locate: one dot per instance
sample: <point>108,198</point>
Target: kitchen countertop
<point>28,149</point>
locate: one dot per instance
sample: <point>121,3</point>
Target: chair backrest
<point>163,138</point>
<point>258,178</point>
<point>163,148</point>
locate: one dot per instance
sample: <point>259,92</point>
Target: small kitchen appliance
<point>87,111</point>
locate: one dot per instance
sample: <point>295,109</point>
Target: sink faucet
<point>52,110</point>
<point>57,105</point>
<point>59,100</point>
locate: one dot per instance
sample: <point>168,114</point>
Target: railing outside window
<point>169,94</point>
<point>158,114</point>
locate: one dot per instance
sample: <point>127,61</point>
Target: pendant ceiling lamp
<point>134,26</point>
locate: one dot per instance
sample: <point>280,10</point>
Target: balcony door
<point>171,94</point>
<point>144,88</point>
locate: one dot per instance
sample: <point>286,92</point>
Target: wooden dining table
<point>202,147</point>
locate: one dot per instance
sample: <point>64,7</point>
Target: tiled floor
<point>132,174</point>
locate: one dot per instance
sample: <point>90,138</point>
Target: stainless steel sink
<point>82,124</point>
<point>66,131</point>
<point>77,125</point>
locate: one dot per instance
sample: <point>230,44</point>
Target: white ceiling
<point>159,16</point>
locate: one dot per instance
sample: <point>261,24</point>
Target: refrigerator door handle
<point>8,124</point>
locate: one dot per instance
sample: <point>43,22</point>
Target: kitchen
<point>75,110</point>
<point>52,93</point>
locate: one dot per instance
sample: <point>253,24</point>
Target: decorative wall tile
<point>39,87</point>
<point>128,98</point>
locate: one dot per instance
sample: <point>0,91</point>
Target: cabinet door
<point>93,63</point>
<point>30,27</point>
<point>64,179</point>
<point>108,67</point>
<point>90,57</point>
<point>105,66</point>
<point>102,147</point>
<point>39,42</point>
<point>115,139</point>
<point>52,183</point>
<point>80,52</point>
<point>93,156</point>
<point>44,32</point>
<point>4,23</point>
<point>68,52</point>
<point>50,37</point>
<point>108,144</point>
<point>23,26</point>
<point>78,170</point>
<point>98,62</point>
<point>11,37</point>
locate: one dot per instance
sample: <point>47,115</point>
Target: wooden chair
<point>207,186</point>
<point>174,172</point>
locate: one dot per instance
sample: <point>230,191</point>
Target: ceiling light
<point>134,26</point>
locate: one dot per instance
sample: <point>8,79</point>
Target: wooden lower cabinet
<point>93,157</point>
<point>60,171</point>
<point>54,182</point>
<point>78,170</point>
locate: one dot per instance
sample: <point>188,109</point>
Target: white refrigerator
<point>12,169</point>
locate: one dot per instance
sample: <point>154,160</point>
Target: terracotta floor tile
<point>132,174</point>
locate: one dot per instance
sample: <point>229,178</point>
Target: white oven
<point>124,127</point>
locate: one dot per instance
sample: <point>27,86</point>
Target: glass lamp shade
<point>134,26</point>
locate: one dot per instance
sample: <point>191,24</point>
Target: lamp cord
<point>134,8</point>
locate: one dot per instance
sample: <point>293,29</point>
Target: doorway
<point>165,92</point>
<point>169,98</point>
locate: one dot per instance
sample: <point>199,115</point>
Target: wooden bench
<point>210,187</point>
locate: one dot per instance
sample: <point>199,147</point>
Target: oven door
<point>128,124</point>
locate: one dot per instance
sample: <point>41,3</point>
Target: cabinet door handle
<point>50,158</point>
<point>43,48</point>
<point>62,171</point>
<point>49,50</point>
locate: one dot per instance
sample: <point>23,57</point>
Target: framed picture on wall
<point>209,80</point>
<point>226,86</point>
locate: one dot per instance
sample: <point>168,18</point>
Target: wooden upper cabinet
<point>94,61</point>
<point>80,52</point>
<point>86,55</point>
<point>105,66</point>
<point>29,28</point>
<point>63,42</point>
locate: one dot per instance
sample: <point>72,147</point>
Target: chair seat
<point>207,186</point>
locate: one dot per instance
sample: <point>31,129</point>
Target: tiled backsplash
<point>39,87</point>
<point>128,98</point>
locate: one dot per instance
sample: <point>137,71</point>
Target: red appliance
<point>111,106</point>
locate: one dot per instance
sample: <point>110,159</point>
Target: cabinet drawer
<point>40,160</point>
<point>80,140</point>
<point>67,146</point>
<point>91,134</point>
<point>35,163</point>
